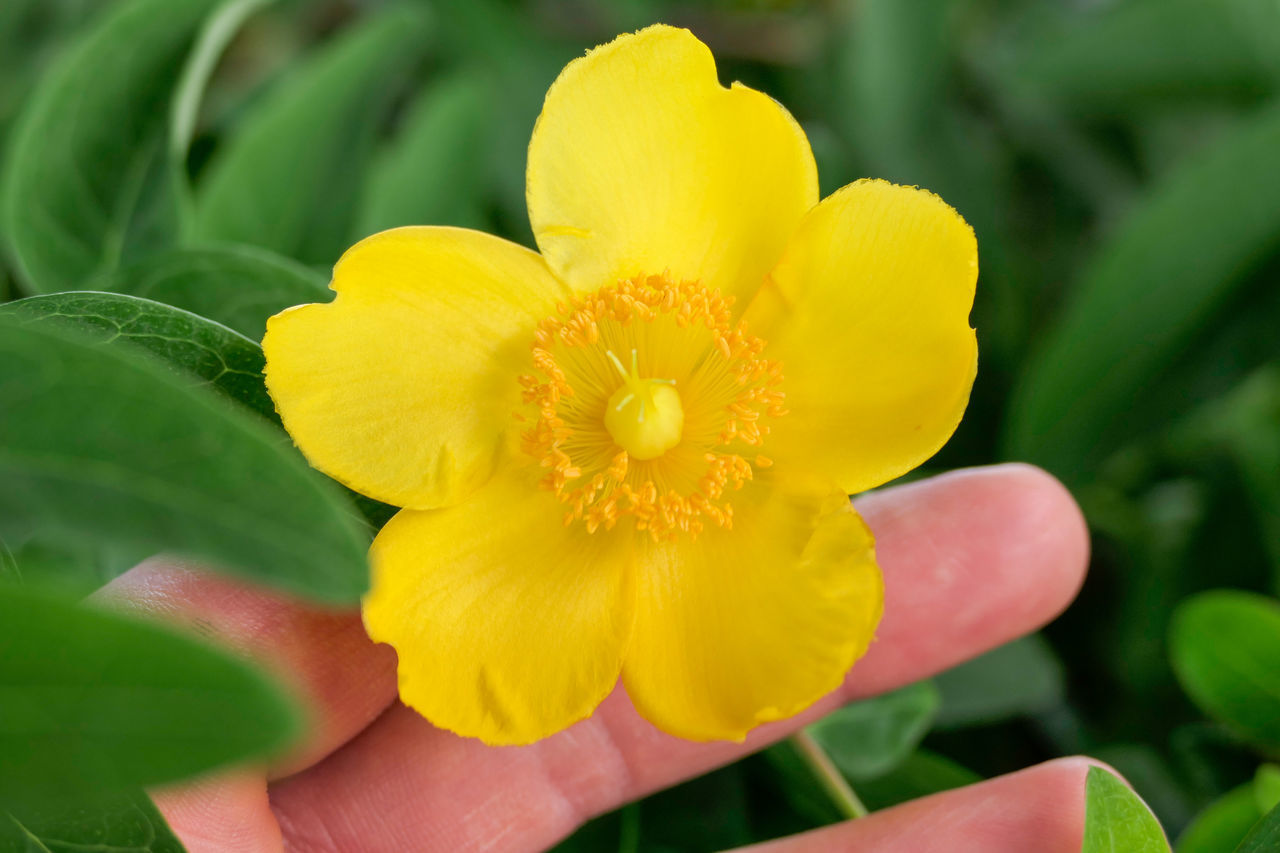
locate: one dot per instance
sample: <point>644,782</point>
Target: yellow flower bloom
<point>629,455</point>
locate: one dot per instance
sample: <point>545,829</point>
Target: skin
<point>971,559</point>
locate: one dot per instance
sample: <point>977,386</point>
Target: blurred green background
<point>1119,160</point>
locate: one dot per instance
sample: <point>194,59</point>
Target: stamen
<point>690,485</point>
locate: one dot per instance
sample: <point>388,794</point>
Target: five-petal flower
<point>629,455</point>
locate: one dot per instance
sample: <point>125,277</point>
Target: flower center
<point>617,439</point>
<point>644,416</point>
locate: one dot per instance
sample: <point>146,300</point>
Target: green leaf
<point>1266,787</point>
<point>289,178</point>
<point>1222,824</point>
<point>799,784</point>
<point>89,181</point>
<point>214,36</point>
<point>1224,646</point>
<point>1116,820</point>
<point>71,569</point>
<point>869,738</point>
<point>1148,773</point>
<point>1265,836</point>
<point>116,823</point>
<point>922,773</point>
<point>95,701</point>
<point>1158,281</point>
<point>100,444</point>
<point>1021,677</point>
<point>1248,422</point>
<point>1126,52</point>
<point>429,173</point>
<point>192,346</point>
<point>238,286</point>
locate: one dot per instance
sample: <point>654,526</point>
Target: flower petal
<point>403,387</point>
<point>641,162</point>
<point>752,624</point>
<point>509,625</point>
<point>868,313</point>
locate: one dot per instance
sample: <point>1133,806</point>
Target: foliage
<point>177,172</point>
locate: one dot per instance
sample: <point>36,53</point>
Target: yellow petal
<point>509,626</point>
<point>868,313</point>
<point>743,626</point>
<point>404,386</point>
<point>641,162</point>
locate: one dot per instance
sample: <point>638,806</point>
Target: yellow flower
<point>629,455</point>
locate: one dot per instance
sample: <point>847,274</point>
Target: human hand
<point>971,560</point>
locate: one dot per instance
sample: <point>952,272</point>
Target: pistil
<point>644,416</point>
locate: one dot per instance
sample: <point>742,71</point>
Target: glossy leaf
<point>117,823</point>
<point>194,347</point>
<point>289,177</point>
<point>96,701</point>
<point>237,286</point>
<point>869,738</point>
<point>1021,677</point>
<point>430,174</point>
<point>101,444</point>
<point>1165,274</point>
<point>1116,820</point>
<point>107,189</point>
<point>1224,646</point>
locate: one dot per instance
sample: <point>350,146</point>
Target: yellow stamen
<point>619,442</point>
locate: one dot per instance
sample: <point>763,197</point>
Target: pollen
<point>650,404</point>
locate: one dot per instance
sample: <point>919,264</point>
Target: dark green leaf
<point>1248,421</point>
<point>193,346</point>
<point>1122,53</point>
<point>100,444</point>
<point>1224,646</point>
<point>922,773</point>
<point>96,701</point>
<point>894,71</point>
<point>212,41</point>
<point>118,823</point>
<point>289,177</point>
<point>1116,820</point>
<point>1222,824</point>
<point>1156,283</point>
<point>869,738</point>
<point>799,785</point>
<point>1021,677</point>
<point>1265,837</point>
<point>238,286</point>
<point>89,181</point>
<point>429,174</point>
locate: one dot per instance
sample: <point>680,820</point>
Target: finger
<point>1041,809</point>
<point>971,560</point>
<point>343,679</point>
<point>225,813</point>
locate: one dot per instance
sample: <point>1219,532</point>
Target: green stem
<point>829,776</point>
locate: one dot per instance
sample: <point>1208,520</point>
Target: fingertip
<point>971,559</point>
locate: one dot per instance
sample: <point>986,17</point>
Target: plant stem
<point>829,776</point>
